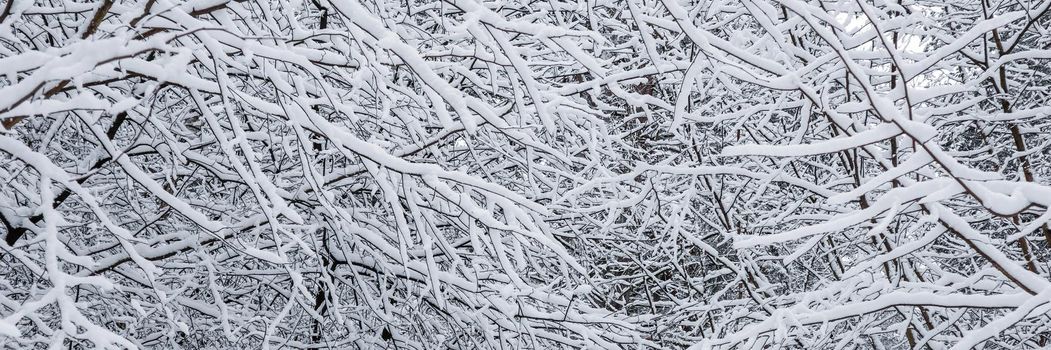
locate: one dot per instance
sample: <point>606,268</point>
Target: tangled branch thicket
<point>459,174</point>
